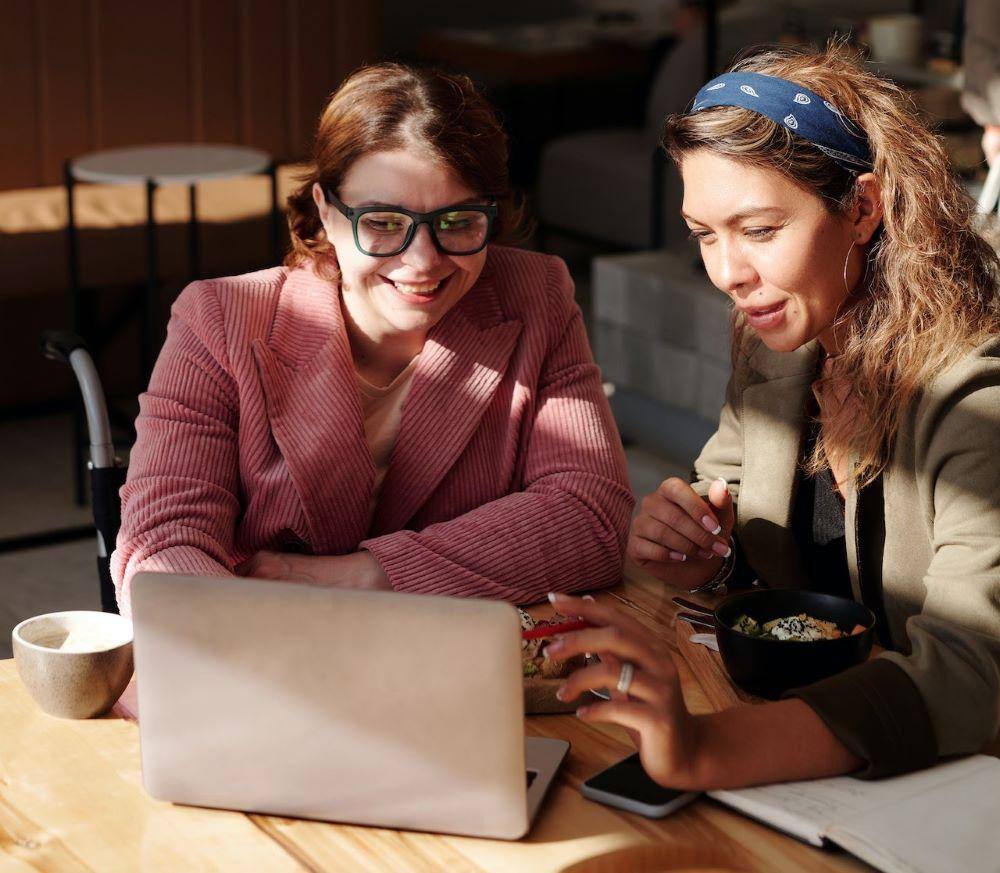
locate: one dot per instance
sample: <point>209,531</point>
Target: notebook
<point>940,820</point>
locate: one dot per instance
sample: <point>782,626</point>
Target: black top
<point>818,525</point>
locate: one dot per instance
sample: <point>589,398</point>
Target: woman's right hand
<point>651,708</point>
<point>680,537</point>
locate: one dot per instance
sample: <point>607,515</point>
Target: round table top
<point>179,163</point>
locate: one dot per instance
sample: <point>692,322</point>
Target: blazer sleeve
<point>955,639</point>
<point>901,712</point>
<point>179,502</point>
<point>566,529</point>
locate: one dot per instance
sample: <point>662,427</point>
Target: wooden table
<point>71,798</point>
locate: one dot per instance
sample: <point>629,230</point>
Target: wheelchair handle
<point>60,345</point>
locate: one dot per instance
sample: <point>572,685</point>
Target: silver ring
<point>625,677</point>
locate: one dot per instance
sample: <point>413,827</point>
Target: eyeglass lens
<point>458,232</point>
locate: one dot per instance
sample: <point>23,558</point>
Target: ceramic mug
<point>74,664</point>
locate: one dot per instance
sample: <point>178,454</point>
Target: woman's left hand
<point>357,570</point>
<point>653,710</point>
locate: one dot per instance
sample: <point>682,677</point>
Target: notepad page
<point>955,826</point>
<point>775,811</point>
<point>808,809</point>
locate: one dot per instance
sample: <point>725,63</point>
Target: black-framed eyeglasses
<point>382,231</point>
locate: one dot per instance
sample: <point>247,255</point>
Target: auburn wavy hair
<point>930,293</point>
<point>390,106</point>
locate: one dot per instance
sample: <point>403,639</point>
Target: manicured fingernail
<point>559,693</point>
<point>724,482</point>
<point>678,556</point>
<point>553,596</point>
<point>582,711</point>
<point>711,525</point>
<point>721,549</point>
<point>706,555</point>
<point>588,597</point>
<point>552,649</point>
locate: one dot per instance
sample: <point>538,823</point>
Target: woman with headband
<point>857,451</point>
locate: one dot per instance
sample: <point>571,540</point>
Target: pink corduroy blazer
<point>507,479</point>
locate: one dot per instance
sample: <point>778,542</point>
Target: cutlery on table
<point>692,606</point>
<point>696,621</point>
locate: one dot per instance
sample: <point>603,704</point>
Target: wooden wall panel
<point>266,75</point>
<point>19,146</point>
<point>317,70</point>
<point>144,73</point>
<point>333,40</point>
<point>294,62</point>
<point>68,124</point>
<point>355,37</point>
<point>81,75</point>
<point>220,82</point>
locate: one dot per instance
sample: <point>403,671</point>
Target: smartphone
<point>625,785</point>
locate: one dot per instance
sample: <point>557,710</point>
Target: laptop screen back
<point>375,708</point>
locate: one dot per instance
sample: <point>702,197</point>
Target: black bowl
<point>768,667</point>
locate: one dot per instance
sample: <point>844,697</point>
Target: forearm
<point>784,741</point>
<point>517,548</point>
<point>356,570</point>
<point>187,559</point>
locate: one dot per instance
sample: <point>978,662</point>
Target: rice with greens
<point>798,628</point>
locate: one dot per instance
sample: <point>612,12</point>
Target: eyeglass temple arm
<point>336,202</point>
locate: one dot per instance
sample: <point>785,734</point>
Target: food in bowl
<point>801,628</point>
<point>767,667</point>
<point>534,664</point>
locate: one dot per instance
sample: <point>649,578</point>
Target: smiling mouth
<point>765,310</point>
<point>418,289</point>
<point>767,317</point>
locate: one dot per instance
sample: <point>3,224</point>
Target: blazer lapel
<point>307,376</point>
<point>772,432</point>
<point>461,365</point>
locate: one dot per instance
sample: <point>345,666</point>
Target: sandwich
<point>534,664</point>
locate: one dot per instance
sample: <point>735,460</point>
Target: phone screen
<point>628,779</point>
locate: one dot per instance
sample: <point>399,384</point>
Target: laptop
<point>364,707</point>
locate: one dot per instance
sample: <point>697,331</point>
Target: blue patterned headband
<point>795,108</point>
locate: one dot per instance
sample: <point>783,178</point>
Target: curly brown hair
<point>387,106</point>
<point>930,294</point>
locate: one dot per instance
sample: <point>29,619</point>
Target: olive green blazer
<point>927,534</point>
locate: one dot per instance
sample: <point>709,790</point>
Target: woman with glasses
<point>403,405</point>
<point>857,451</point>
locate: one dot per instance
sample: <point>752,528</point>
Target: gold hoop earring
<point>846,259</point>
